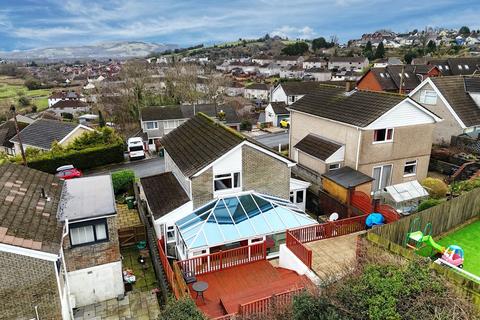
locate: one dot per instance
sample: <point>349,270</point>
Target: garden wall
<point>444,217</point>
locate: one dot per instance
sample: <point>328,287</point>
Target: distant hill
<point>118,49</point>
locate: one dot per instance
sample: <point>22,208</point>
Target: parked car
<point>285,123</point>
<point>68,172</point>
<point>135,148</point>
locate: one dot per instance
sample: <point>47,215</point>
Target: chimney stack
<point>349,86</point>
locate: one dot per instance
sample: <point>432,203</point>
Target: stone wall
<point>28,282</point>
<point>202,188</point>
<point>264,173</point>
<point>94,254</point>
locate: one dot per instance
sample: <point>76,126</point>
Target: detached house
<point>276,112</point>
<point>347,63</point>
<point>454,98</point>
<point>221,190</point>
<point>65,96</point>
<point>41,133</point>
<point>393,77</point>
<point>289,92</point>
<point>73,107</point>
<point>58,244</point>
<point>7,132</point>
<point>257,91</point>
<point>368,131</point>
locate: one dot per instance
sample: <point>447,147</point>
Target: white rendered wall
<point>289,260</point>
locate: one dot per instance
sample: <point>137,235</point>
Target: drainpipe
<point>358,148</point>
<point>64,265</point>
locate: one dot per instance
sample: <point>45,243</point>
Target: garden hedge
<point>81,159</point>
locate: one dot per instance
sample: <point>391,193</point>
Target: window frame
<point>380,178</point>
<point>413,163</point>
<point>231,176</point>
<point>155,127</point>
<point>336,165</point>
<point>386,140</point>
<point>424,94</point>
<point>92,223</point>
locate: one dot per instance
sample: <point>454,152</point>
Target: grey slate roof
<point>279,107</point>
<point>472,84</point>
<point>258,86</point>
<point>176,112</point>
<point>8,131</point>
<point>198,142</point>
<point>295,88</point>
<point>87,197</point>
<point>358,108</point>
<point>347,177</point>
<point>317,147</point>
<point>163,193</point>
<point>26,218</point>
<point>42,133</point>
<point>69,104</point>
<point>453,89</point>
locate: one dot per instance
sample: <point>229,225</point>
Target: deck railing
<point>174,277</point>
<point>265,306</point>
<point>298,249</point>
<point>224,259</point>
<point>329,229</point>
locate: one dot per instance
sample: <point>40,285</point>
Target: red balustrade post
<point>221,260</point>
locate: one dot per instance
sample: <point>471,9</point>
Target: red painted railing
<point>267,305</point>
<point>167,267</point>
<point>230,316</point>
<point>224,259</point>
<point>388,212</point>
<point>303,253</point>
<point>329,229</point>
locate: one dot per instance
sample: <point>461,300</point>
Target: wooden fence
<point>224,259</point>
<point>268,305</point>
<point>130,236</point>
<point>361,201</point>
<point>302,252</point>
<point>444,217</point>
<point>329,229</point>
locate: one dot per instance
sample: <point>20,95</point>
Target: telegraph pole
<point>12,108</point>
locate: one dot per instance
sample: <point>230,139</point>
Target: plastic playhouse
<point>416,239</point>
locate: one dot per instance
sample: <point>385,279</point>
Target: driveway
<point>142,168</point>
<point>272,140</point>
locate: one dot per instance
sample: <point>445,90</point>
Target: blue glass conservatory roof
<point>235,217</point>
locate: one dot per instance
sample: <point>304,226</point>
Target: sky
<point>27,24</point>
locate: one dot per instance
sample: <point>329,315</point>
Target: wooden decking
<point>229,288</point>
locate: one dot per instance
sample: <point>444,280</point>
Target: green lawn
<point>469,239</point>
<point>10,93</point>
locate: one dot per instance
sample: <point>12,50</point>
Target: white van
<point>135,148</point>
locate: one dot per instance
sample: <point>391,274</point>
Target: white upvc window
<point>383,135</point>
<point>297,196</point>
<point>334,166</point>
<point>410,168</point>
<point>227,181</point>
<point>428,97</point>
<point>382,176</point>
<point>151,125</point>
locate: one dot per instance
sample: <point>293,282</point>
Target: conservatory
<point>238,220</point>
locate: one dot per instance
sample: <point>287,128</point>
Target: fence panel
<point>362,201</point>
<point>443,217</point>
<point>266,306</point>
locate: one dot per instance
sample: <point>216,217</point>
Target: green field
<point>469,239</point>
<point>12,89</point>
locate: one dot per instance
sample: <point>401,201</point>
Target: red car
<point>68,172</point>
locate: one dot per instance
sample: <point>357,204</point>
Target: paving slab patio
<point>135,305</point>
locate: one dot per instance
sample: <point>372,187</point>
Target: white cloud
<point>293,32</point>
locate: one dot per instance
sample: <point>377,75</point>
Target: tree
<point>101,120</point>
<point>295,49</point>
<point>380,52</point>
<point>311,307</point>
<point>431,46</point>
<point>319,43</point>
<point>368,51</point>
<point>24,101</point>
<point>33,84</point>
<point>464,31</point>
<point>409,56</point>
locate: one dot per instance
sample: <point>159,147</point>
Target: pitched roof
<point>8,131</point>
<point>69,104</point>
<point>315,59</point>
<point>358,108</point>
<point>389,77</point>
<point>347,177</point>
<point>317,147</point>
<point>176,112</point>
<point>198,142</point>
<point>295,88</point>
<point>472,84</point>
<point>450,66</point>
<point>163,193</point>
<point>279,107</point>
<point>453,89</point>
<point>347,59</point>
<point>42,133</point>
<point>26,218</point>
<point>258,86</point>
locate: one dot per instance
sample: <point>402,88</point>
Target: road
<point>273,139</point>
<point>142,168</point>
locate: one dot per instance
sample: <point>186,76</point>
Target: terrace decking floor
<point>243,284</point>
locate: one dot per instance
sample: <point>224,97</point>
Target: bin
<point>130,202</point>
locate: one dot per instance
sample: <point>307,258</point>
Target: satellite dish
<point>333,217</point>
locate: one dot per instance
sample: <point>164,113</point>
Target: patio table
<point>200,287</point>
